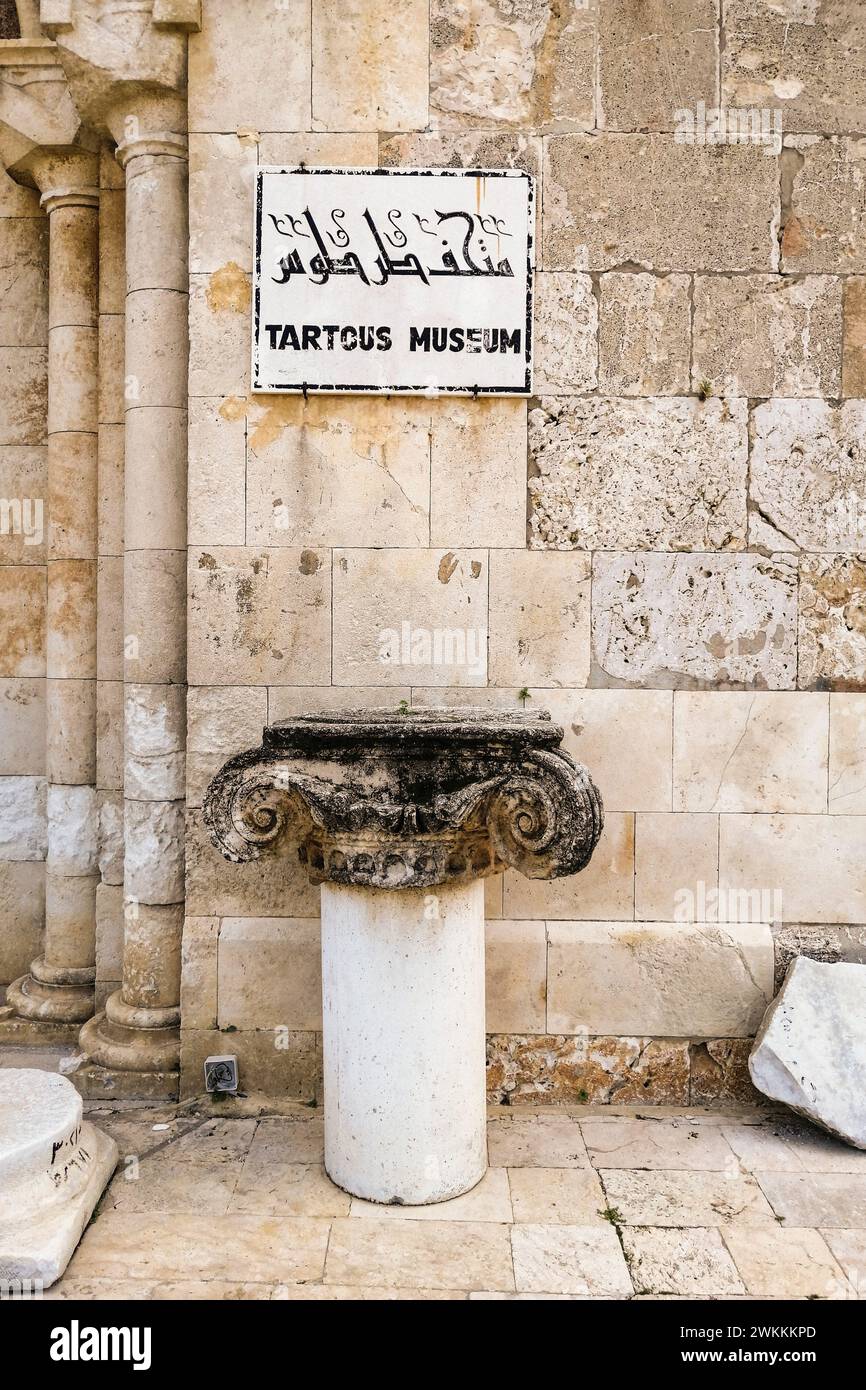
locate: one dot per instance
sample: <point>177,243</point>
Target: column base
<point>130,1047</point>
<point>109,1083</point>
<point>51,995</point>
<point>29,1032</point>
<point>403,1041</point>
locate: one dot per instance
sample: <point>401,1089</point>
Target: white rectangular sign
<point>395,280</point>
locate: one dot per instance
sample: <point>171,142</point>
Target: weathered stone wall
<point>23,534</point>
<point>688,594</point>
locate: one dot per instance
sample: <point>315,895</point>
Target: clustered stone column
<point>399,817</point>
<point>59,987</point>
<point>139,1030</point>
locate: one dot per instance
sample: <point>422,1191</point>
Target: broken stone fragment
<point>810,1052</point>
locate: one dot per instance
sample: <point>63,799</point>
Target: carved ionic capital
<point>394,800</point>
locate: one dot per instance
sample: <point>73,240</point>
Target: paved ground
<point>605,1203</point>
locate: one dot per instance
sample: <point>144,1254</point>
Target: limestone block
<point>787,1263</point>
<point>563,1069</point>
<point>155,602</point>
<point>644,327</point>
<point>807,484</point>
<point>719,1074</point>
<point>407,616</point>
<point>157,223</point>
<point>109,618</point>
<point>847,755</point>
<point>110,805</point>
<point>312,148</point>
<point>198,977</point>
<point>54,1169</point>
<point>155,495</point>
<point>494,62</point>
<point>486,149</point>
<point>22,916</point>
<point>676,867</point>
<point>112,240</point>
<point>654,58</point>
<point>110,481</point>
<point>16,200</point>
<point>73,379</point>
<point>292,1069</point>
<point>156,356</point>
<point>566,323</point>
<point>24,510</point>
<point>263,887</point>
<point>22,728</point>
<point>74,285</point>
<point>617,474</point>
<point>765,335</point>
<point>109,734</point>
<point>71,626</point>
<point>221,177</point>
<point>370,65</point>
<point>270,89</point>
<point>478,473</point>
<point>516,968</point>
<point>812,1047</point>
<point>72,496</point>
<point>22,620</point>
<point>259,617</point>
<point>801,59</point>
<point>155,732</point>
<point>270,973</point>
<point>539,618</point>
<point>646,628</point>
<point>644,198</point>
<point>23,281</point>
<point>221,720</point>
<point>605,889</point>
<point>70,745</point>
<point>73,830</point>
<point>825,943</point>
<point>607,977</point>
<point>154,860</point>
<point>219,332</point>
<point>23,818</point>
<point>599,724</point>
<point>811,866</point>
<point>854,337</point>
<point>750,751</point>
<point>832,623</point>
<point>217,472</point>
<point>109,931</point>
<point>825,230</point>
<point>359,475</point>
<point>23,395</point>
<point>151,954</point>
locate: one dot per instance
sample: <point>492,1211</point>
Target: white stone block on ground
<point>810,1052</point>
<point>54,1167</point>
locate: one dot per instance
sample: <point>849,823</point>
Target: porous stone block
<point>71,619</point>
<point>359,476</point>
<point>566,324</point>
<point>23,395</point>
<point>23,818</point>
<point>494,62</point>
<point>73,830</point>
<point>676,867</point>
<point>778,855</point>
<point>854,337</point>
<point>811,1048</point>
<point>567,1070</point>
<point>259,616</point>
<point>767,335</point>
<point>644,198</point>
<point>270,88</point>
<point>646,629</point>
<point>654,58</point>
<point>516,969</point>
<point>598,724</point>
<point>23,281</point>
<point>22,620</point>
<point>219,330</point>
<point>829,943</point>
<point>832,622</point>
<point>54,1167</point>
<point>477,473</point>
<point>620,474</point>
<point>110,804</point>
<point>22,728</point>
<point>370,65</point>
<point>407,616</point>
<point>24,510</point>
<point>807,487</point>
<point>154,859</point>
<point>644,329</point>
<point>825,227</point>
<point>539,618</point>
<point>624,979</point>
<point>750,751</point>
<point>472,149</point>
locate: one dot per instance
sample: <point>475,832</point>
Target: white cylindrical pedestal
<point>404,1055</point>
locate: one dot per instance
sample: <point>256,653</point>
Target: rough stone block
<point>807,482</point>
<point>493,62</point>
<point>646,632</point>
<point>221,181</point>
<point>110,812</point>
<point>539,618</point>
<point>23,395</point>
<point>854,337</point>
<point>22,916</point>
<point>766,335</point>
<point>719,1074</point>
<point>24,512</point>
<point>644,198</point>
<point>832,622</point>
<point>154,860</point>
<point>825,226</point>
<point>403,617</point>
<point>810,867</point>
<point>605,889</point>
<point>676,867</point>
<point>23,818</point>
<point>654,58</point>
<point>618,474</point>
<point>259,617</point>
<point>755,751</point>
<point>831,943</point>
<point>217,471</point>
<point>22,728</point>
<point>370,65</point>
<point>566,1070</point>
<point>23,281</point>
<point>22,620</point>
<point>566,323</point>
<point>270,87</point>
<point>477,473</point>
<point>516,969</point>
<point>219,332</point>
<point>155,734</point>
<point>644,328</point>
<point>485,149</point>
<point>71,619</point>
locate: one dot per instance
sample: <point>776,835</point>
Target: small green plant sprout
<point>403,707</point>
<point>583,1096</point>
<point>611,1214</point>
<point>705,389</point>
<point>524,695</point>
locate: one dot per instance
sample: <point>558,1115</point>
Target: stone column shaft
<point>59,987</point>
